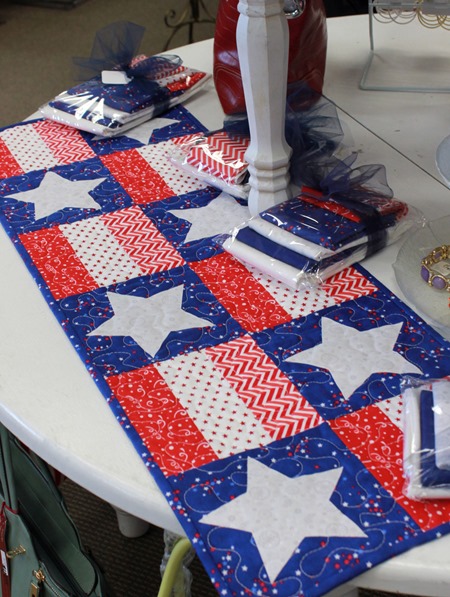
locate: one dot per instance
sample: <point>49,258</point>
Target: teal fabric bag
<point>41,551</point>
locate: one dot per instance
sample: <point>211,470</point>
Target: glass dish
<point>432,304</point>
<point>443,160</point>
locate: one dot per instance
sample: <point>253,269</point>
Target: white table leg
<point>262,42</point>
<point>129,525</point>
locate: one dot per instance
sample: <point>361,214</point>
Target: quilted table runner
<point>270,418</point>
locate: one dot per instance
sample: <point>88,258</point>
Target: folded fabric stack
<point>307,239</point>
<point>427,440</point>
<point>216,158</point>
<point>111,109</point>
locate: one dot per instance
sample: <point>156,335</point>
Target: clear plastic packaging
<point>215,158</point>
<point>427,438</point>
<point>307,239</point>
<point>431,303</point>
<point>122,88</point>
<point>110,109</point>
<point>312,130</point>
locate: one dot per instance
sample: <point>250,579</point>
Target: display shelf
<point>397,68</point>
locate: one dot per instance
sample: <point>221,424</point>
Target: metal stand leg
<point>190,16</point>
<point>176,576</point>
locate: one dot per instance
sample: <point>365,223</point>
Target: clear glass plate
<point>443,160</point>
<point>433,304</point>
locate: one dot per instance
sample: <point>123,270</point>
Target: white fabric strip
<point>207,397</point>
<point>28,148</point>
<point>100,253</point>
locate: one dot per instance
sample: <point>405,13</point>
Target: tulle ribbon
<point>116,47</point>
<point>314,133</point>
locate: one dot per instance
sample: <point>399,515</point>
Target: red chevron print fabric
<point>220,156</point>
<point>271,418</point>
<point>40,144</point>
<point>216,158</point>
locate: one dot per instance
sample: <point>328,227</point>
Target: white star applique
<point>56,192</point>
<point>351,356</point>
<point>220,216</point>
<point>144,131</point>
<point>149,320</point>
<point>280,511</point>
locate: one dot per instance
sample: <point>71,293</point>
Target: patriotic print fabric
<point>269,417</point>
<point>110,110</point>
<point>215,158</point>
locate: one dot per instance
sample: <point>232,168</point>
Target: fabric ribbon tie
<point>314,132</point>
<point>115,49</point>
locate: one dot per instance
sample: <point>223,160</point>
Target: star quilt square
<point>192,221</point>
<point>148,318</point>
<point>288,518</point>
<point>351,355</point>
<point>58,196</point>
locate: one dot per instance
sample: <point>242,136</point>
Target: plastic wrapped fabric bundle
<point>312,129</point>
<point>215,158</point>
<point>126,89</point>
<point>427,438</point>
<point>309,238</point>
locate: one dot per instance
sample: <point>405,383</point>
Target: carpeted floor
<point>38,43</point>
<point>131,566</point>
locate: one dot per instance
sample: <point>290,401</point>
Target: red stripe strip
<point>165,427</point>
<point>8,164</point>
<point>58,263</point>
<point>137,177</point>
<point>240,293</point>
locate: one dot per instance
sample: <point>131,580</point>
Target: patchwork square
<point>147,175</point>
<point>44,144</point>
<point>233,385</point>
<point>100,251</point>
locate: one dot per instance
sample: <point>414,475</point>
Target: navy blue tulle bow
<point>115,47</point>
<point>314,133</point>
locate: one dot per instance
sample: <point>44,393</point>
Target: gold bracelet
<point>435,269</point>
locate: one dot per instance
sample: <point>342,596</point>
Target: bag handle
<point>6,470</point>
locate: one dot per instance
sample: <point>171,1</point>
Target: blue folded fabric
<point>430,474</point>
<point>135,95</point>
<point>332,230</point>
